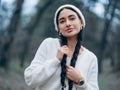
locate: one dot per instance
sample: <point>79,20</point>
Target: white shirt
<point>44,71</point>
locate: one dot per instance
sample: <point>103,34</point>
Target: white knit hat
<point>69,6</point>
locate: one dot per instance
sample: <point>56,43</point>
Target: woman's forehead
<point>66,13</point>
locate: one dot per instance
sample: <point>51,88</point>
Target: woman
<point>64,64</point>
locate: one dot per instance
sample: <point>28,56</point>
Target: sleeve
<point>40,69</point>
<point>92,80</point>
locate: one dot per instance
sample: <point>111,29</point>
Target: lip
<point>69,30</point>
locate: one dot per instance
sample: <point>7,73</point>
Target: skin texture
<point>69,25</point>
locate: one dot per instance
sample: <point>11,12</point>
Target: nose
<point>68,23</point>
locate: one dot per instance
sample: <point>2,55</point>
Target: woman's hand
<point>73,74</point>
<point>61,51</point>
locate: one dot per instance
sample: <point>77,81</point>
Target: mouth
<point>69,30</point>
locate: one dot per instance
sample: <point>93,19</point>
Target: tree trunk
<point>9,35</point>
<point>31,27</point>
<point>116,52</point>
<point>105,32</point>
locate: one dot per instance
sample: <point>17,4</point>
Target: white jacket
<point>44,71</point>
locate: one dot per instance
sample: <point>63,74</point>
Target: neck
<point>71,42</point>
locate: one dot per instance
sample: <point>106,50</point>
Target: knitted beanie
<point>69,6</point>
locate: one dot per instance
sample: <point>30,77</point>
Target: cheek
<point>60,28</point>
<point>77,26</point>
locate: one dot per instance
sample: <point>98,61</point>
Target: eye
<point>61,21</point>
<point>72,18</point>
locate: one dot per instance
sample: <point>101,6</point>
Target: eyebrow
<point>68,16</point>
<point>72,15</point>
<point>61,19</point>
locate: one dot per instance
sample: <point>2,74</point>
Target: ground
<point>14,79</point>
<point>109,80</point>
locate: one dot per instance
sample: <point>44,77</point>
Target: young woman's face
<point>69,24</point>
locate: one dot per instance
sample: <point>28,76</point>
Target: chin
<point>70,36</point>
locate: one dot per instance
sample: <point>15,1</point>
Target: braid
<point>63,63</point>
<point>75,55</point>
<point>73,60</point>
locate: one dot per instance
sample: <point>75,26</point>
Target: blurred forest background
<point>25,23</point>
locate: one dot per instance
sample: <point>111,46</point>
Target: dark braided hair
<point>63,41</point>
<point>75,55</point>
<point>73,60</point>
<point>63,62</point>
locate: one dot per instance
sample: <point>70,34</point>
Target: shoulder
<point>91,58</point>
<point>50,40</point>
<point>90,54</point>
<point>48,43</point>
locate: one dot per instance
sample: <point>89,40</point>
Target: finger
<point>69,67</point>
<point>69,77</point>
<point>66,52</point>
<point>68,74</point>
<point>65,47</point>
<point>68,70</point>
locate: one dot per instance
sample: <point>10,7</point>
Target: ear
<point>81,26</point>
<point>81,23</point>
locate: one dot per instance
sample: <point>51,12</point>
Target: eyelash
<point>72,18</point>
<point>62,21</point>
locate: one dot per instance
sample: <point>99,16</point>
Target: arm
<point>92,79</point>
<point>41,69</point>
